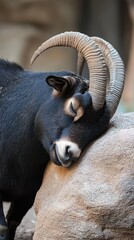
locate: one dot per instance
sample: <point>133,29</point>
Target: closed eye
<point>72,109</point>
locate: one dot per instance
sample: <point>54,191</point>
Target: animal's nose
<point>66,152</point>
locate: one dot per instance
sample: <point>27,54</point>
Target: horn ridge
<point>91,52</point>
<point>116,71</point>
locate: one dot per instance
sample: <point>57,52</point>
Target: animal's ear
<point>60,84</point>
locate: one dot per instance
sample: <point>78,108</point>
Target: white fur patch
<point>79,111</point>
<point>61,146</point>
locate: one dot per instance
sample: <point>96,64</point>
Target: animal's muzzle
<point>63,152</point>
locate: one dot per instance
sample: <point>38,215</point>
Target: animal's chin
<point>55,158</point>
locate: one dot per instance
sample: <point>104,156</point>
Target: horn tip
<point>31,62</point>
<point>32,59</point>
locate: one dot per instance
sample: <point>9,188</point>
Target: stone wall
<point>93,199</point>
<point>25,24</point>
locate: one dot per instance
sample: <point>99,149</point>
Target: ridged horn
<point>80,63</point>
<point>116,71</point>
<point>93,56</point>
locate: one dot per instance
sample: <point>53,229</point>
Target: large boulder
<point>93,199</point>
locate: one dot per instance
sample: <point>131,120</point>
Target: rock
<point>93,199</point>
<point>26,229</point>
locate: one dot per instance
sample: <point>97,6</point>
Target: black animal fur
<point>23,156</point>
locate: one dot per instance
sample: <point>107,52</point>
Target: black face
<point>66,122</point>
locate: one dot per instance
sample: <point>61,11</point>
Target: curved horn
<point>93,56</point>
<point>116,71</point>
<point>80,63</point>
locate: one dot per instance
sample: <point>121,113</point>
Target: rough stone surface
<point>25,230</point>
<point>93,199</point>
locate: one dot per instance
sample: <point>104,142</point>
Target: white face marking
<point>61,147</point>
<point>67,107</point>
<point>79,111</point>
<point>56,93</point>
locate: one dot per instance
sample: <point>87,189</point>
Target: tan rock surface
<point>93,199</point>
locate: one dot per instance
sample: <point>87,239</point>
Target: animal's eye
<point>72,110</point>
<point>74,107</point>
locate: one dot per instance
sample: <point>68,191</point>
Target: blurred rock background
<point>25,24</point>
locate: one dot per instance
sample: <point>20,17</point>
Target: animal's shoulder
<point>10,66</point>
<point>9,72</point>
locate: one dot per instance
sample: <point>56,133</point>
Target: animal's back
<point>22,157</point>
<point>22,93</point>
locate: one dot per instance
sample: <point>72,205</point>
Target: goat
<point>51,116</point>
